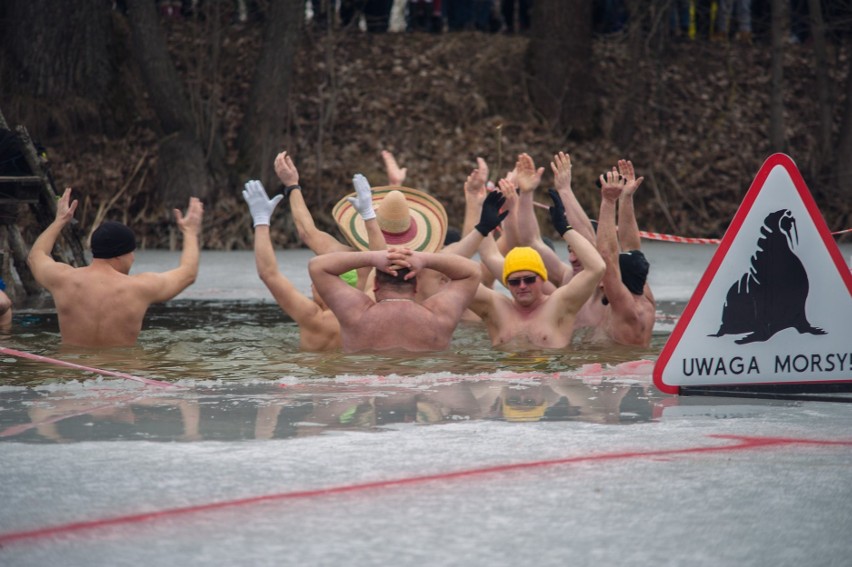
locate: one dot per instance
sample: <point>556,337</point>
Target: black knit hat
<point>112,239</point>
<point>634,270</point>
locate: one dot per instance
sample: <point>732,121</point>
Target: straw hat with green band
<point>408,218</point>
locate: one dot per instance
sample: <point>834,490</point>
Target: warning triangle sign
<point>775,303</point>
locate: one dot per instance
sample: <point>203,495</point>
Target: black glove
<point>491,216</point>
<point>557,213</point>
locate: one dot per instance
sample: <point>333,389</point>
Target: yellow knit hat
<point>521,259</point>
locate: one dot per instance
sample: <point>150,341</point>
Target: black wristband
<point>567,228</point>
<point>290,188</point>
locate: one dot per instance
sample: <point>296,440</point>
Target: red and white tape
<point>682,239</point>
<point>673,238</point>
<point>689,240</point>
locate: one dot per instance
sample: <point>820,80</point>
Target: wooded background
<point>138,111</point>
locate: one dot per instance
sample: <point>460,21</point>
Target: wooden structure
<point>32,187</point>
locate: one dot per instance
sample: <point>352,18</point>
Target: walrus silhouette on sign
<point>771,295</point>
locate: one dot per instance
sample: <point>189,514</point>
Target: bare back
<point>399,325</point>
<point>101,307</point>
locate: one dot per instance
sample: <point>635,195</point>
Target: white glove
<point>363,203</point>
<point>260,205</point>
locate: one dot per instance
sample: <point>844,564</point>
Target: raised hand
<point>631,183</point>
<point>561,167</point>
<point>612,184</point>
<point>527,177</point>
<point>482,171</point>
<point>474,190</point>
<point>192,220</point>
<point>65,207</point>
<point>396,174</point>
<point>557,213</point>
<point>286,170</point>
<point>491,217</point>
<point>260,205</point>
<point>363,201</point>
<point>509,191</point>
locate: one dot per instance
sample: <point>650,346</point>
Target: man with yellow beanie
<point>530,319</point>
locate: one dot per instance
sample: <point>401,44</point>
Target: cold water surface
<point>235,357</point>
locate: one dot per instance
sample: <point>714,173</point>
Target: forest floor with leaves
<point>695,123</point>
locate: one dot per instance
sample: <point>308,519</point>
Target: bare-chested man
<point>531,319</point>
<point>318,326</point>
<point>395,320</point>
<point>622,310</point>
<point>101,305</point>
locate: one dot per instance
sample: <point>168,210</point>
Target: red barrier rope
<point>740,443</point>
<point>39,358</point>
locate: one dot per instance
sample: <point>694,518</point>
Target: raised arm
<point>169,284</point>
<point>571,296</point>
<point>475,191</point>
<point>628,228</point>
<point>296,305</point>
<point>490,218</point>
<point>528,179</point>
<point>561,167</point>
<point>318,241</point>
<point>363,203</point>
<point>612,187</point>
<point>463,274</point>
<point>347,302</point>
<point>528,232</point>
<point>47,271</point>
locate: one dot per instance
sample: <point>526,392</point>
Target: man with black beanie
<point>623,309</point>
<point>102,305</point>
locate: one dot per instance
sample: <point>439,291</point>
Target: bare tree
<point>55,51</point>
<point>780,30</point>
<point>181,168</point>
<point>843,157</point>
<point>561,82</point>
<point>824,98</point>
<point>264,127</point>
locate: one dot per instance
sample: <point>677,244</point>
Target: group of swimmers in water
<point>398,283</point>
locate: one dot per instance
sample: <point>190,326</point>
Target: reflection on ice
<point>226,410</point>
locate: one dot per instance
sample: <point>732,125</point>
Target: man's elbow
<point>266,275</point>
<point>315,268</point>
<point>188,277</point>
<point>32,258</point>
<point>598,267</point>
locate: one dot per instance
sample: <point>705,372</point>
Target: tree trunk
<point>843,157</point>
<point>559,59</point>
<point>780,30</point>
<point>182,171</point>
<point>264,127</point>
<point>824,99</point>
<point>55,51</point>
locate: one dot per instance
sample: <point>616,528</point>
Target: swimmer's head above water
<point>112,239</point>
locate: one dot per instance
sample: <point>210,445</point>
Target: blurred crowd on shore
<point>714,20</point>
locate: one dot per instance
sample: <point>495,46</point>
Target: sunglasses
<point>527,280</point>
